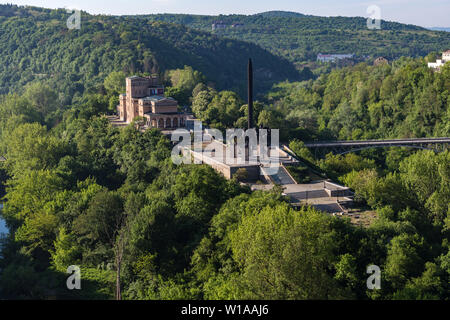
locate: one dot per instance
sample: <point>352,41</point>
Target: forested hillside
<point>78,191</point>
<point>300,38</point>
<point>403,100</point>
<point>400,100</point>
<point>36,45</point>
<point>111,201</point>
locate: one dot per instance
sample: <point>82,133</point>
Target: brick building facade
<point>145,98</point>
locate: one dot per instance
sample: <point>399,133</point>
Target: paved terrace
<point>313,194</point>
<point>214,146</point>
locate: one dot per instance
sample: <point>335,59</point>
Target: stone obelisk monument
<point>250,94</point>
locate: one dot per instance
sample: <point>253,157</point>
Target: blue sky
<point>426,13</point>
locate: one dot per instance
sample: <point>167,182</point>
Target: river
<point>3,228</point>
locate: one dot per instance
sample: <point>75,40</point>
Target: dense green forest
<point>36,45</point>
<point>404,99</point>
<point>81,192</point>
<point>78,191</point>
<point>299,38</point>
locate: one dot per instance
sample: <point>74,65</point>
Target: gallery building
<point>145,98</point>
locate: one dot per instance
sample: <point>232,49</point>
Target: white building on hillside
<point>333,57</point>
<point>440,62</point>
<point>446,56</point>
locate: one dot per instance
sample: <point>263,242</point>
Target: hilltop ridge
<point>279,13</point>
<point>81,59</point>
<point>299,38</point>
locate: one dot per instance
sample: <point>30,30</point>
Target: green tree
<point>67,252</point>
<point>103,218</point>
<point>115,83</point>
<point>42,98</point>
<point>284,254</point>
<point>30,147</point>
<point>404,259</point>
<point>427,175</point>
<point>38,232</point>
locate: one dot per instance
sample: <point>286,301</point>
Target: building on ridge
<point>380,61</point>
<point>333,57</point>
<point>219,25</point>
<point>446,56</point>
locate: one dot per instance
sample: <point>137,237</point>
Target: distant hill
<point>35,43</point>
<point>281,14</point>
<point>440,29</point>
<point>299,38</point>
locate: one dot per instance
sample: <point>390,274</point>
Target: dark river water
<point>3,228</point>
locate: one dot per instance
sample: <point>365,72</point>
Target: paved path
<point>282,177</point>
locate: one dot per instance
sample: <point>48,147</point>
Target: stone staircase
<point>312,194</point>
<point>282,177</point>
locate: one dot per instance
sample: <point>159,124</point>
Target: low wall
<point>216,165</point>
<point>283,153</point>
<point>253,171</point>
<point>336,190</point>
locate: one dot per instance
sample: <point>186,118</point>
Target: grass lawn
<point>300,174</point>
<point>363,218</point>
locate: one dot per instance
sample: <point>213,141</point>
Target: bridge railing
<point>376,142</point>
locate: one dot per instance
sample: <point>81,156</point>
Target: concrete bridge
<point>343,147</point>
